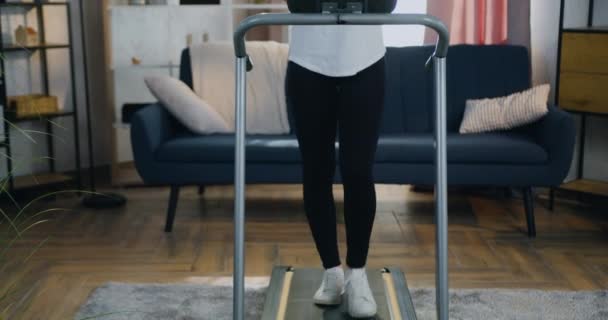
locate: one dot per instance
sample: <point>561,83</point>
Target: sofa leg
<point>201,190</point>
<point>529,206</point>
<point>551,198</point>
<point>172,207</point>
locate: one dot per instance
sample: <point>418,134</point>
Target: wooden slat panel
<point>585,52</point>
<point>584,92</point>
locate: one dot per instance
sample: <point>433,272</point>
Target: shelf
<point>18,47</point>
<point>585,112</point>
<point>45,179</point>
<point>9,116</point>
<point>38,8</point>
<point>594,29</point>
<point>587,186</point>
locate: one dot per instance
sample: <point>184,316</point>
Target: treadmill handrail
<point>243,65</point>
<point>441,48</point>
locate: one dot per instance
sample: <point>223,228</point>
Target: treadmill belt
<point>306,281</point>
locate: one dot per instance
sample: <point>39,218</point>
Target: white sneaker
<point>360,300</point>
<point>332,287</point>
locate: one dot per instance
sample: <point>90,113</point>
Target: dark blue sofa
<point>538,154</point>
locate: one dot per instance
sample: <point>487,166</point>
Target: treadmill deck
<point>291,291</point>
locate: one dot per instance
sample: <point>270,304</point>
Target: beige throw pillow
<point>504,113</point>
<point>193,112</point>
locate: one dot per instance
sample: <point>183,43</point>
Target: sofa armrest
<point>150,128</point>
<point>556,133</point>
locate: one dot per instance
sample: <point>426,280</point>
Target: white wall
<point>545,20</point>
<point>601,13</point>
<point>130,30</point>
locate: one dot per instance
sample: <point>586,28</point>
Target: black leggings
<point>350,107</point>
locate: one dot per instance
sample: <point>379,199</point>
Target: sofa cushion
<point>504,113</point>
<point>220,149</point>
<point>489,148</point>
<point>192,111</point>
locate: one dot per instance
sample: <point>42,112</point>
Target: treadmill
<point>291,288</point>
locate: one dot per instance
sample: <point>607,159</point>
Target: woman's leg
<point>359,117</point>
<point>313,100</point>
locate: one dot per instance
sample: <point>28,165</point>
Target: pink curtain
<point>472,21</point>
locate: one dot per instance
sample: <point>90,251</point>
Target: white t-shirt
<point>336,51</point>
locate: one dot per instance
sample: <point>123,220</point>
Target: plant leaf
<point>4,250</point>
<point>3,189</point>
<point>42,213</point>
<point>50,194</point>
<point>20,130</point>
<point>46,134</point>
<point>11,222</point>
<point>56,124</point>
<point>43,242</point>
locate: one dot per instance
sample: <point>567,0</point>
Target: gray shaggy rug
<point>122,301</point>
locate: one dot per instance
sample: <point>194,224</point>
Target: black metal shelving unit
<point>580,185</point>
<point>52,177</point>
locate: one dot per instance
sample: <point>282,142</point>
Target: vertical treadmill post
<point>441,190</point>
<point>239,193</point>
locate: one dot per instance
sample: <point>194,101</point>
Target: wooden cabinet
<point>584,71</point>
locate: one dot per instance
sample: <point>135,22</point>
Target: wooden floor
<point>488,245</point>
